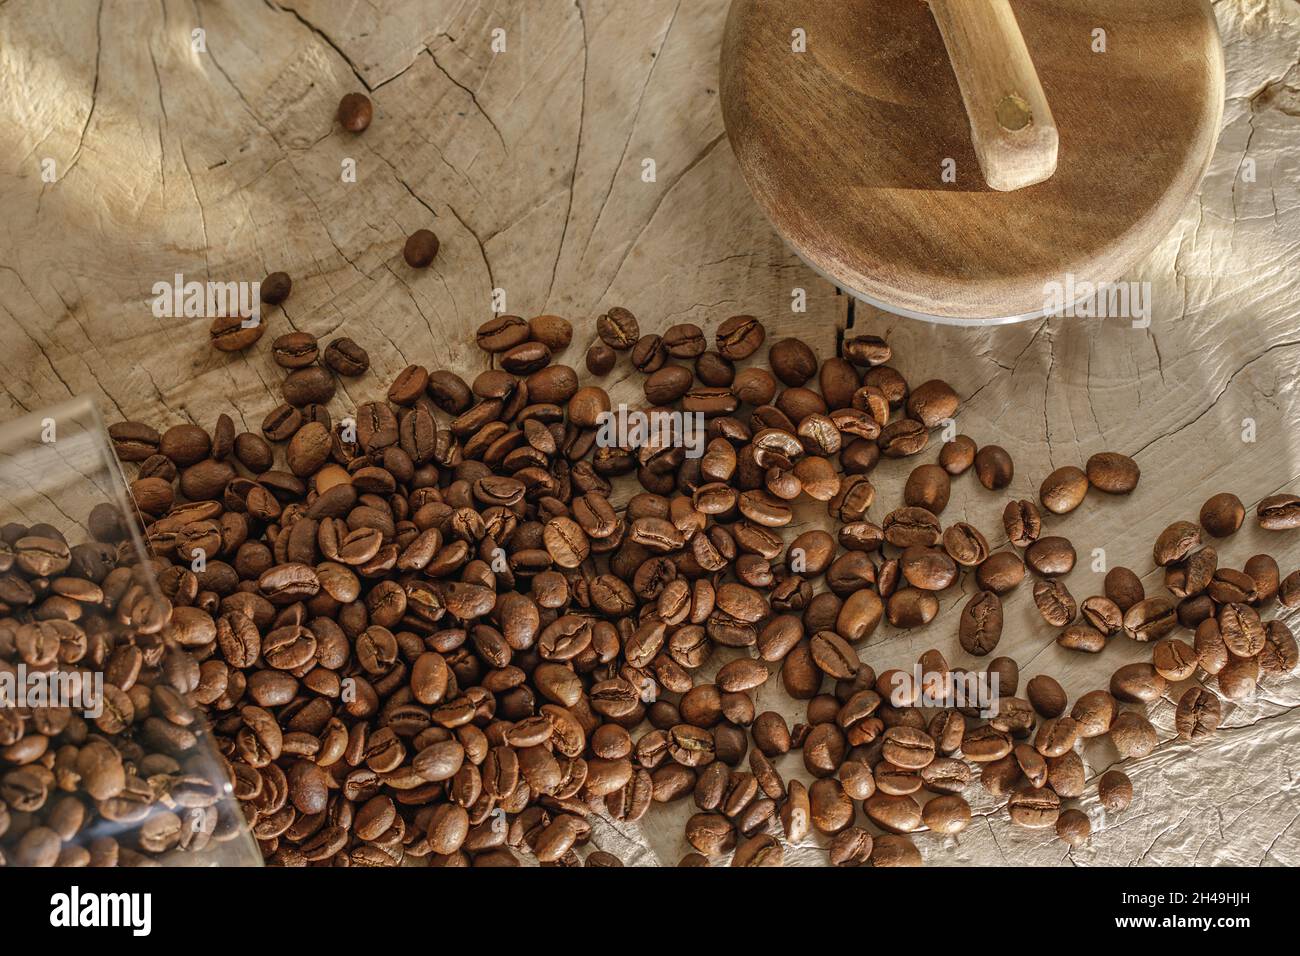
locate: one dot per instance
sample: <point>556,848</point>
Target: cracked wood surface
<point>225,164</point>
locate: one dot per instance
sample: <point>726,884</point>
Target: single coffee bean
<point>355,112</point>
<point>1124,587</point>
<point>1174,660</point>
<point>932,403</point>
<point>1046,695</point>
<point>928,487</point>
<point>1137,684</point>
<point>792,361</point>
<point>949,814</point>
<point>1150,619</point>
<point>308,386</point>
<point>553,331</point>
<point>1222,515</point>
<point>294,350</point>
<point>618,329</point>
<point>1082,637</point>
<point>1050,557</point>
<point>1103,614</point>
<point>1022,522</point>
<point>1113,473</point>
<point>867,350</point>
<point>600,359</point>
<point>739,337</point>
<point>420,248</point>
<point>1175,543</point>
<point>1063,490</point>
<point>1280,653</point>
<point>1115,790</point>
<point>233,333</point>
<point>1279,512</point>
<point>1034,809</point>
<point>345,357</point>
<point>1132,735</point>
<point>1055,603</point>
<point>1241,629</point>
<point>957,456</point>
<point>1198,714</point>
<point>1073,827</point>
<point>994,467</point>
<point>1001,572</point>
<point>1094,712</point>
<point>980,627</point>
<point>1239,677</point>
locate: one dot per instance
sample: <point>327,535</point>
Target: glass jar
<point>104,759</point>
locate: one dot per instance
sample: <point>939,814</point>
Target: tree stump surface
<point>225,164</point>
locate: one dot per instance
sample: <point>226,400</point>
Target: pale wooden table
<point>225,163</point>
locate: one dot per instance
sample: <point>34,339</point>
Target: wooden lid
<point>843,145</point>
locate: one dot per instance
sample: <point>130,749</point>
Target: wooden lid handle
<point>1011,125</point>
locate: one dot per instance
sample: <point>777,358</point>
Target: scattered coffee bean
<point>355,112</point>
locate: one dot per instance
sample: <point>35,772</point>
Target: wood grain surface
<point>528,163</point>
<point>846,145</point>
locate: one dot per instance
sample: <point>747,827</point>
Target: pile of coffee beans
<point>457,625</point>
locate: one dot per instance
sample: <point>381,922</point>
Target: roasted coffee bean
<point>1176,542</point>
<point>1063,490</point>
<point>993,467</point>
<point>739,337</point>
<point>957,456</point>
<point>1094,712</point>
<point>1082,637</point>
<point>1150,619</point>
<point>1034,809</point>
<point>1000,572</point>
<point>1022,522</point>
<point>1137,683</point>
<point>927,487</point>
<point>1280,653</point>
<point>1046,695</point>
<point>980,626</point>
<point>294,350</point>
<point>600,359</point>
<point>420,249</point>
<point>965,544</point>
<point>1124,588</point>
<point>1115,790</point>
<point>1050,557</point>
<point>1113,473</point>
<point>233,333</point>
<point>867,350</point>
<point>1132,735</point>
<point>1241,629</point>
<point>1279,512</point>
<point>1174,660</point>
<point>1222,515</point>
<point>792,361</point>
<point>932,403</point>
<point>355,112</point>
<point>1198,714</point>
<point>618,329</point>
<point>307,386</point>
<point>1055,603</point>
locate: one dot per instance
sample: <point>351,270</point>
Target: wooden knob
<point>1011,124</point>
